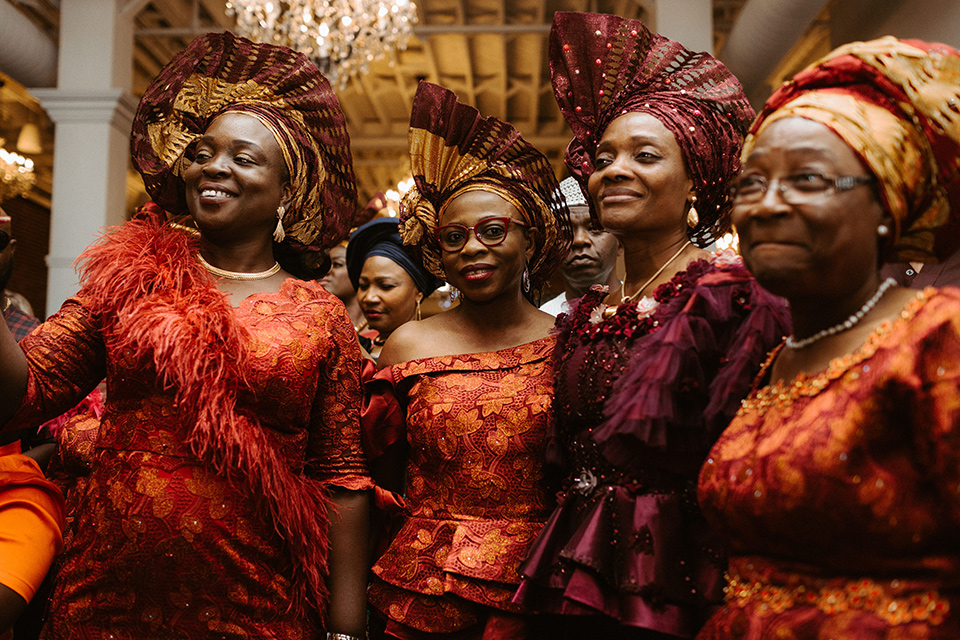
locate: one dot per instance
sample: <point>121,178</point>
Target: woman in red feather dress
<point>231,430</point>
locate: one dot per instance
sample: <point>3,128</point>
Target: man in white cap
<point>593,254</point>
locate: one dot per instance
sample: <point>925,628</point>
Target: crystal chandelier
<point>16,174</point>
<point>341,36</point>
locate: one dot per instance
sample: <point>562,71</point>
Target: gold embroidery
<point>864,595</point>
<point>782,394</point>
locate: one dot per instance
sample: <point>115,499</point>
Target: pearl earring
<point>883,230</point>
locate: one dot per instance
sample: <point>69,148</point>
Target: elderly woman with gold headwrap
<point>838,483</point>
<point>231,425</point>
<point>475,383</point>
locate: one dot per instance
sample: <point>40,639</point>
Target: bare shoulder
<point>408,340</point>
<point>448,334</point>
<point>543,323</point>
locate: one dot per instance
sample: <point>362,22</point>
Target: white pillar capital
<point>114,106</point>
<point>93,110</point>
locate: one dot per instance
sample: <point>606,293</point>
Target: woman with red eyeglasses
<point>461,404</point>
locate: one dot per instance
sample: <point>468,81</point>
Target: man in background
<point>593,254</point>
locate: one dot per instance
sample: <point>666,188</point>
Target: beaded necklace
<point>849,323</point>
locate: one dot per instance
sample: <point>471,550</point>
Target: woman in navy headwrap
<point>390,284</point>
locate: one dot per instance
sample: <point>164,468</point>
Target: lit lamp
<point>341,36</point>
<point>16,174</point>
<point>29,140</point>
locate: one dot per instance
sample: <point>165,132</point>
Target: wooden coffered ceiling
<point>492,53</point>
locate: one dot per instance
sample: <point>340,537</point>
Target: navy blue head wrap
<point>381,237</point>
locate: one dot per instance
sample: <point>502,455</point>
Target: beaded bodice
<point>661,374</point>
<point>593,353</point>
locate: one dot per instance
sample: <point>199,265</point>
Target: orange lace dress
<point>476,498</point>
<point>198,508</point>
<point>840,492</point>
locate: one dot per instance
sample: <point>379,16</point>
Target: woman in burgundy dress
<point>649,375</point>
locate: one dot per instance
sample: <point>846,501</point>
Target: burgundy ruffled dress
<point>640,398</point>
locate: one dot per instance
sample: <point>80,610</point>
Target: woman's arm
<point>13,374</point>
<point>12,605</point>
<point>53,368</point>
<point>335,457</point>
<point>349,530</point>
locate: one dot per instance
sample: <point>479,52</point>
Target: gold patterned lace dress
<point>840,492</point>
<point>476,498</point>
<point>162,547</point>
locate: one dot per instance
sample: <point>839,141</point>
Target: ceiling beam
<point>371,94</point>
<point>543,143</point>
<point>504,79</point>
<point>468,75</point>
<point>421,31</point>
<point>131,8</point>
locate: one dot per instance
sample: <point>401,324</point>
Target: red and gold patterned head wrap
<point>604,66</point>
<point>453,150</point>
<point>222,72</point>
<point>897,105</point>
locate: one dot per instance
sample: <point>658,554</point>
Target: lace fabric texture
<point>476,496</point>
<point>839,491</point>
<point>160,540</point>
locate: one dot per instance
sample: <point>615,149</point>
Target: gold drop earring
<point>693,218</point>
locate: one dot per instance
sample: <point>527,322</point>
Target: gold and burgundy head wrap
<point>603,66</point>
<point>221,72</point>
<point>453,150</point>
<point>897,105</point>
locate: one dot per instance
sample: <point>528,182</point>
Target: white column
<point>92,110</point>
<point>689,22</point>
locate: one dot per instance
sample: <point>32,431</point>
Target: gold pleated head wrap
<point>897,105</point>
<point>453,150</point>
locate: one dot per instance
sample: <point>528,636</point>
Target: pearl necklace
<point>793,343</point>
<point>238,275</point>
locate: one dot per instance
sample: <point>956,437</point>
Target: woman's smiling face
<point>479,271</point>
<point>640,182</point>
<point>237,177</point>
<point>822,245</point>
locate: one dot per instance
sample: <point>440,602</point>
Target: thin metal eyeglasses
<point>490,232</point>
<point>801,188</point>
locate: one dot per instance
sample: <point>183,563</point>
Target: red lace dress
<point>476,498</point>
<point>175,535</point>
<point>640,398</point>
<point>840,492</point>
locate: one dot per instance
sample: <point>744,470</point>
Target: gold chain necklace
<point>625,299</point>
<point>238,275</point>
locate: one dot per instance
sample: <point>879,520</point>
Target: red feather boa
<point>157,301</point>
